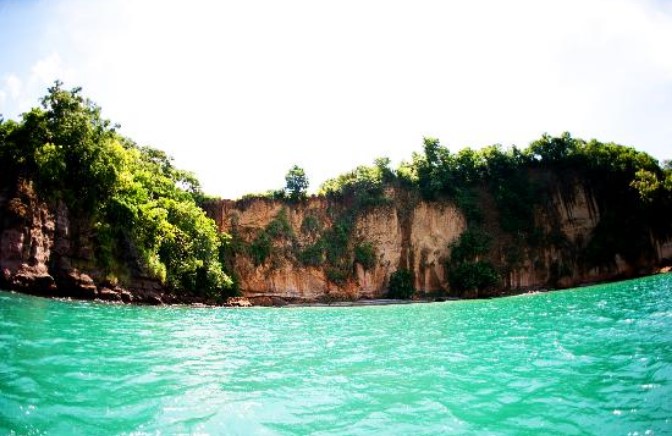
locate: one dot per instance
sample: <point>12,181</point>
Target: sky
<point>239,91</point>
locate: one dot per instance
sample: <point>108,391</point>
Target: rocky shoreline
<point>118,295</point>
<point>47,251</point>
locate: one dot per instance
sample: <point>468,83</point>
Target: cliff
<point>88,213</point>
<point>407,232</point>
<point>307,250</point>
<point>46,251</point>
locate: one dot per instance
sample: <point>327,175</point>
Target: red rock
<point>108,294</point>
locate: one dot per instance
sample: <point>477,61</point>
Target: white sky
<point>240,91</point>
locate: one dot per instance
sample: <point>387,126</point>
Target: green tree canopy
<point>130,196</point>
<point>297,183</point>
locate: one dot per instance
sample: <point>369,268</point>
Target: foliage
<point>361,189</point>
<point>470,276</point>
<point>131,196</point>
<point>312,255</point>
<point>310,225</point>
<point>647,183</point>
<point>338,274</point>
<point>280,227</point>
<point>473,242</point>
<point>366,184</point>
<point>466,200</point>
<point>365,255</point>
<point>466,270</point>
<point>261,247</point>
<point>297,183</point>
<point>401,284</point>
<point>273,194</point>
<point>229,245</point>
<point>632,190</point>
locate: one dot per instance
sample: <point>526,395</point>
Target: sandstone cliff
<point>417,239</point>
<point>409,233</point>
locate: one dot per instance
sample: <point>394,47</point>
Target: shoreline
<point>244,302</point>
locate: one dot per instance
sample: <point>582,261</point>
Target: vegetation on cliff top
<point>143,210</point>
<point>632,191</point>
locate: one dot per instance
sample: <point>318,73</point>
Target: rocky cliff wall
<point>44,250</point>
<point>408,233</point>
<point>417,238</point>
<point>571,220</point>
<point>306,251</point>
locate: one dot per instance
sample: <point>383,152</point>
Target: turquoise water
<point>591,360</point>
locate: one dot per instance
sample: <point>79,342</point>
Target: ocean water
<point>594,360</point>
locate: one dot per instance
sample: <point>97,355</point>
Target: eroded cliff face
<point>408,233</point>
<point>572,219</point>
<point>305,251</point>
<point>44,250</point>
<point>26,239</point>
<point>415,238</point>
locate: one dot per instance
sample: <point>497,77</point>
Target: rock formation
<point>410,233</point>
<point>44,250</point>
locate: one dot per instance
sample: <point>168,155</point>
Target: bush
<point>310,225</point>
<point>401,284</point>
<point>260,249</point>
<point>280,227</point>
<point>466,272</point>
<point>365,254</point>
<point>337,275</point>
<point>473,242</point>
<point>473,276</point>
<point>312,255</point>
<point>366,184</point>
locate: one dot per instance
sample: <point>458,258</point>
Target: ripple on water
<point>591,360</point>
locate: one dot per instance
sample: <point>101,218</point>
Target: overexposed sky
<point>239,91</point>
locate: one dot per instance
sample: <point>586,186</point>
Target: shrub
<point>470,276</point>
<point>365,254</point>
<point>401,284</point>
<point>473,242</point>
<point>260,249</point>
<point>466,272</point>
<point>312,255</point>
<point>337,275</point>
<point>310,224</point>
<point>280,227</point>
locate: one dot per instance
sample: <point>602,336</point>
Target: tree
<point>553,149</point>
<point>297,183</point>
<point>141,210</point>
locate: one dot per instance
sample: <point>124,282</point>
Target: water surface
<point>590,360</point>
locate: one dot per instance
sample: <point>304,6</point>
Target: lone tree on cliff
<point>297,183</point>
